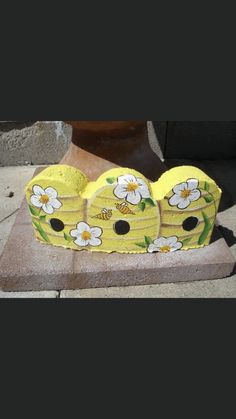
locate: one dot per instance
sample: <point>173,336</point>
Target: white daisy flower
<point>86,235</point>
<point>185,193</point>
<point>132,189</point>
<point>45,199</point>
<point>165,245</point>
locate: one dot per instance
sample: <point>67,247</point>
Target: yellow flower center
<point>86,235</point>
<point>132,187</point>
<point>44,199</point>
<point>185,193</point>
<point>165,249</point>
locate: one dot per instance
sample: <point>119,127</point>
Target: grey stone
<point>40,294</point>
<point>42,142</point>
<point>219,288</point>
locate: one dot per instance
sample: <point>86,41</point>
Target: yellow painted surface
<point>122,211</point>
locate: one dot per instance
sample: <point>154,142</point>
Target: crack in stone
<point>8,216</point>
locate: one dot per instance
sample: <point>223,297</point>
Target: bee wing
<point>104,211</point>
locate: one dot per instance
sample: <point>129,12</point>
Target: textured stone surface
<point>39,294</point>
<point>42,142</point>
<point>12,181</point>
<point>219,288</point>
<point>41,267</point>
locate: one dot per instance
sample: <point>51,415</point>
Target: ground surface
<point>13,180</point>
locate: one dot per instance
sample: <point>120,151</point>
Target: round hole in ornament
<point>56,224</point>
<point>190,223</point>
<point>121,227</point>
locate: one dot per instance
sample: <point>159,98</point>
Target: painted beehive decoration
<point>122,211</point>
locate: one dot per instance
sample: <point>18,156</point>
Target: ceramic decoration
<point>122,211</point>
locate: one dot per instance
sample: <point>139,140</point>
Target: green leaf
<point>111,180</point>
<point>143,245</point>
<point>67,238</point>
<point>42,218</point>
<point>207,229</point>
<point>34,211</point>
<point>150,201</point>
<point>142,206</point>
<point>207,187</point>
<point>41,231</point>
<point>148,240</point>
<point>186,241</point>
<point>208,198</point>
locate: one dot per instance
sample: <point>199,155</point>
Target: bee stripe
<point>179,225</point>
<point>133,229</point>
<point>162,233</point>
<point>108,198</point>
<point>70,211</point>
<point>100,208</point>
<point>69,197</point>
<point>190,209</point>
<point>130,219</point>
<point>202,194</point>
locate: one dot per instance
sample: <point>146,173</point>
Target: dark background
<point>197,140</point>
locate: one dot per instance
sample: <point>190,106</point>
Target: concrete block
<point>219,288</point>
<point>28,143</point>
<point>41,294</point>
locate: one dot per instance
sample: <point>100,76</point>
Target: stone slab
<point>27,265</point>
<point>37,294</point>
<point>217,288</point>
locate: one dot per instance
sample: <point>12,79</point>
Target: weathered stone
<point>24,143</point>
<point>219,288</point>
<point>39,294</point>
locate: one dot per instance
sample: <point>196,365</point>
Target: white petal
<point>162,241</point>
<point>125,179</point>
<point>74,233</point>
<point>48,208</point>
<point>52,193</point>
<point>195,195</point>
<point>171,241</point>
<point>94,241</point>
<point>80,242</point>
<point>176,246</point>
<point>192,184</point>
<point>184,203</point>
<point>179,188</point>
<point>120,191</point>
<point>153,248</point>
<point>55,203</point>
<point>96,231</point>
<point>81,227</point>
<point>38,190</point>
<point>143,188</point>
<point>144,192</point>
<point>175,200</point>
<point>35,200</point>
<point>134,197</point>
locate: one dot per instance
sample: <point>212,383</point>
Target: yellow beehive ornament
<point>122,211</point>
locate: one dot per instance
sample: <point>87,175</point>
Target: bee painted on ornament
<point>124,208</point>
<point>104,215</point>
